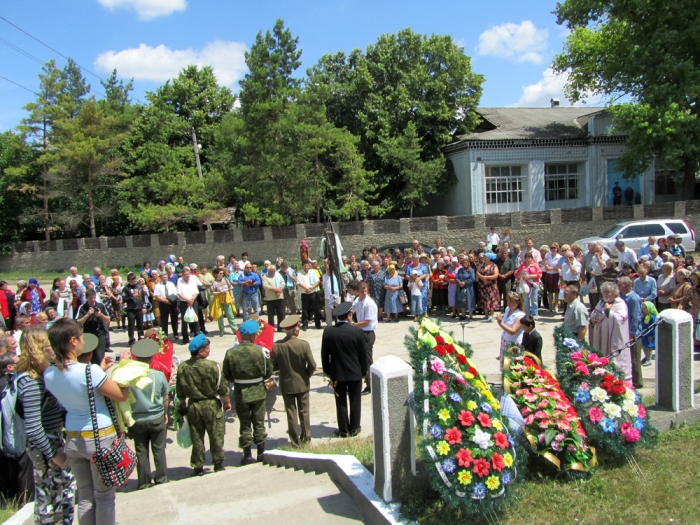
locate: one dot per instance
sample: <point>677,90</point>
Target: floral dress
<point>376,286</point>
<point>488,290</point>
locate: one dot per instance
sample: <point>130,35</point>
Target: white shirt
<point>241,265</point>
<point>595,266</point>
<point>17,335</point>
<point>628,256</point>
<point>493,238</point>
<point>189,289</point>
<point>78,278</point>
<point>509,319</point>
<point>571,273</point>
<point>366,310</point>
<point>307,279</point>
<point>164,290</point>
<point>536,255</point>
<point>331,298</point>
<point>553,262</point>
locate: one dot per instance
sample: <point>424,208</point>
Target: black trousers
<point>194,327</point>
<point>370,338</point>
<point>275,308</point>
<point>166,312</point>
<point>348,424</point>
<point>309,307</point>
<point>135,316</point>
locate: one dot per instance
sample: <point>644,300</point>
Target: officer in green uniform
<point>247,366</point>
<point>199,380</point>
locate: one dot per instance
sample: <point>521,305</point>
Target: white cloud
<point>146,9</point>
<point>523,42</point>
<point>161,63</point>
<point>552,86</point>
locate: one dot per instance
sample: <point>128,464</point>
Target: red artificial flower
<point>484,419</point>
<point>501,440</point>
<point>481,468</point>
<point>466,418</point>
<point>609,377</point>
<point>528,362</point>
<point>462,359</point>
<point>497,462</point>
<point>439,340</point>
<point>473,371</point>
<point>450,349</point>
<point>440,350</point>
<point>641,411</point>
<point>595,414</point>
<point>453,436</point>
<point>464,457</point>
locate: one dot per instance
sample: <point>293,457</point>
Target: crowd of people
<point>64,386</point>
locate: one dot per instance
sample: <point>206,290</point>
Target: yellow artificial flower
<point>443,448</point>
<point>467,375</point>
<point>444,415</point>
<point>495,405</point>
<point>471,405</point>
<point>478,384</point>
<point>497,424</point>
<point>508,459</point>
<point>464,477</point>
<point>492,482</point>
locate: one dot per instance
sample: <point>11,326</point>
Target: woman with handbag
<point>84,391</point>
<point>54,493</point>
<point>393,287</point>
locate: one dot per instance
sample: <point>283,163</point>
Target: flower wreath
<point>465,438</point>
<point>552,425</point>
<point>613,413</point>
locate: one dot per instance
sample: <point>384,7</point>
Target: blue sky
<point>511,42</point>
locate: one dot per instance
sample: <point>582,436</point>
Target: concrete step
<point>251,494</point>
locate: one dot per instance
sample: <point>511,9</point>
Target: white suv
<point>636,233</point>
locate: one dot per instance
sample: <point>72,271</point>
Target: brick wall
<point>562,225</point>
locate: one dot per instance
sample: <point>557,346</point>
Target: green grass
<point>8,509</point>
<point>614,495</point>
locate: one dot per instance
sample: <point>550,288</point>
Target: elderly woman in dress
<point>466,298</point>
<point>610,327</point>
<point>392,285</point>
<point>487,284</point>
<point>665,283</point>
<point>376,286</point>
<point>679,297</point>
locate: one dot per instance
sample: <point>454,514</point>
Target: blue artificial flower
<point>571,343</point>
<point>639,424</point>
<point>506,478</point>
<point>485,407</point>
<point>454,396</point>
<point>436,431</point>
<point>511,441</point>
<point>608,425</point>
<point>449,466</point>
<point>582,395</point>
<point>479,491</point>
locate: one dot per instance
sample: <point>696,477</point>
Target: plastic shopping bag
<point>190,315</point>
<point>184,438</point>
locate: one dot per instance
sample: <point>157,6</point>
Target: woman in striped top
<point>43,417</point>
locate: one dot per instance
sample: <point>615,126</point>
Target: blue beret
<point>199,342</point>
<point>250,327</point>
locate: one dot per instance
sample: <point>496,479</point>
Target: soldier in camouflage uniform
<point>199,380</point>
<point>247,366</point>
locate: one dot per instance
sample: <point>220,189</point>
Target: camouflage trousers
<point>250,415</point>
<point>54,492</point>
<point>206,416</point>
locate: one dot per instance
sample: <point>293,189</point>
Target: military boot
<point>261,450</point>
<point>247,457</point>
<point>219,466</point>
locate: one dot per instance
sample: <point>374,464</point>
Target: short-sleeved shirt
<point>149,400</point>
<point>366,310</point>
<point>188,289</point>
<point>576,316</point>
<point>70,388</point>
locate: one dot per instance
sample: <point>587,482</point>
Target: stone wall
<point>562,225</point>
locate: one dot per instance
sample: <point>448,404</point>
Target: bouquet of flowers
<point>552,425</point>
<point>465,438</point>
<point>612,411</point>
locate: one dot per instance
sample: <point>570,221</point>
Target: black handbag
<point>202,297</point>
<point>116,464</point>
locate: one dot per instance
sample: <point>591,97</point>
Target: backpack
<point>13,440</point>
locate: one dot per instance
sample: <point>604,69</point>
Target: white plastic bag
<point>190,315</point>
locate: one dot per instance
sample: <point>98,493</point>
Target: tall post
<point>675,379</point>
<point>393,426</point>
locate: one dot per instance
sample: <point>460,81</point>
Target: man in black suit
<point>532,340</point>
<point>344,360</point>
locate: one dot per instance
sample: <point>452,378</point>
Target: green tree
<point>76,88</point>
<point>403,78</point>
<point>646,53</point>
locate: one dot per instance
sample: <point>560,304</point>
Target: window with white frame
<point>504,184</point>
<point>561,181</point>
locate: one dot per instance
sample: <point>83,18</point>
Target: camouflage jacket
<point>199,379</point>
<point>247,362</point>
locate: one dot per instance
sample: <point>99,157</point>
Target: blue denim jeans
<point>250,300</point>
<point>416,305</point>
<point>530,301</point>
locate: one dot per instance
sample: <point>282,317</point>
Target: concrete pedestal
<point>675,379</point>
<point>393,426</point>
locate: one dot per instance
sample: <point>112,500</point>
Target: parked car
<point>636,233</point>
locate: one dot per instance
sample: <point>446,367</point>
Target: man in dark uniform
<point>93,316</point>
<point>344,359</point>
<point>247,366</point>
<point>199,380</point>
<point>296,364</point>
<point>133,296</point>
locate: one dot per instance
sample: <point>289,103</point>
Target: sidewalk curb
<point>352,476</point>
<point>21,515</point>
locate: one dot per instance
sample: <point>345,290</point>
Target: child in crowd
<point>416,294</point>
<point>649,314</point>
<point>532,340</point>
